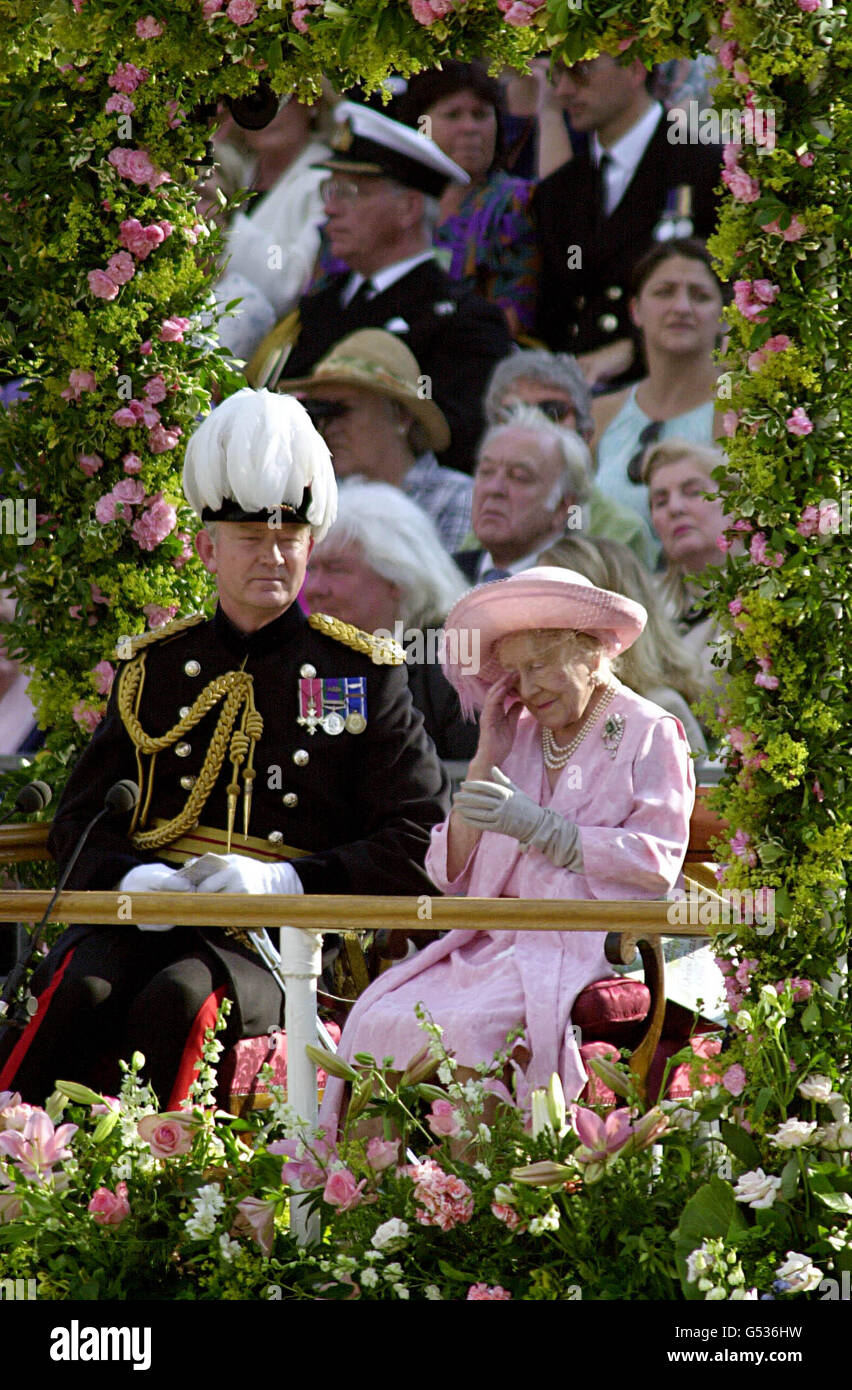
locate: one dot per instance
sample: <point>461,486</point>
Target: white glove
<point>245,875</point>
<point>154,878</point>
<point>502,807</point>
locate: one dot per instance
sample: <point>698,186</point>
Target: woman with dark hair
<point>676,304</point>
<point>484,229</point>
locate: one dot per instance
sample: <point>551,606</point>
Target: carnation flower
<point>444,1200</point>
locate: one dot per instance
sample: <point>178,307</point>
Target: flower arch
<point>104,282</point>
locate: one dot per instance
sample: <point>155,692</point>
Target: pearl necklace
<point>557,757</point>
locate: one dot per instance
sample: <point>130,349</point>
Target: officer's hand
<point>245,875</point>
<point>154,878</point>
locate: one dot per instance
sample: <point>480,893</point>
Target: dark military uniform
<point>457,337</point>
<point>355,807</point>
<point>587,258</point>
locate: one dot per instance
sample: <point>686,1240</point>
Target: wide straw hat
<point>374,360</point>
<point>543,598</point>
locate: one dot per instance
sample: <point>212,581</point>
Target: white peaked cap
<point>260,451</point>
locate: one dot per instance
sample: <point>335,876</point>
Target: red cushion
<point>595,1092</point>
<point>611,1009</point>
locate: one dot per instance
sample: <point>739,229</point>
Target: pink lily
<point>38,1146</point>
<point>600,1138</point>
<point>260,1216</point>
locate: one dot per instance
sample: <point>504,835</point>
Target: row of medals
<point>333,722</point>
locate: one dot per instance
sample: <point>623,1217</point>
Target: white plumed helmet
<point>258,454</point>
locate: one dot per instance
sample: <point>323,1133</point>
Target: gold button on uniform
<point>192,668</point>
<point>301,757</point>
<point>187,782</point>
<point>290,799</point>
<point>608,323</point>
<point>275,837</point>
<point>184,711</point>
<point>183,750</point>
<point>613,291</point>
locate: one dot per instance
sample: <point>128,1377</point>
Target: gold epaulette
<point>127,647</point>
<point>384,651</point>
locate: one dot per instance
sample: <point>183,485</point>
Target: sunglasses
<point>649,435</point>
<point>321,412</point>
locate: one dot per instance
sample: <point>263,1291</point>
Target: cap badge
<point>341,140</point>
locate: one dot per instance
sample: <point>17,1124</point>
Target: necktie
<point>601,188</point>
<point>362,295</point>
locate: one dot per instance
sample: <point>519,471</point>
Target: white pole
<point>301,963</point>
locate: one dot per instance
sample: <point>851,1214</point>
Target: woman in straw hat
<point>579,789</point>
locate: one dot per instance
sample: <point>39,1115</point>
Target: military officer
<point>287,745</point>
<point>381,203</point>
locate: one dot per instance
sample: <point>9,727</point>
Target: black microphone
<point>119,800</point>
<point>30,799</point>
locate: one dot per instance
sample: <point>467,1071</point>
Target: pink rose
<point>426,12</point>
<point>145,349</point>
<point>149,415</point>
<point>739,847</point>
<point>79,381</point>
<point>802,989</point>
<point>167,1135</point>
<point>735,606</point>
<point>173,329</point>
<point>132,463</point>
<point>242,11</point>
<point>794,232</point>
<point>211,7</point>
<point>779,342</point>
<point>798,422</point>
<point>103,675</point>
<point>727,54</point>
<point>730,420</point>
<point>486,1293</point>
<point>110,1208</point>
<point>148,28</point>
<point>160,440</point>
<point>186,550</point>
<point>382,1153</point>
<point>807,159</point>
<point>442,1119</point>
<point>808,6</point>
<point>152,526</point>
<point>740,72</point>
<point>101,285</point>
<point>142,240</point>
<point>155,388</point>
<point>125,416</point>
<point>176,114</point>
<point>734,1080</point>
<point>741,185</point>
<point>120,268</point>
<point>136,165</point>
<point>342,1191</point>
<point>759,554</point>
<point>809,524</point>
<point>764,677</point>
<point>727,20</point>
<point>85,717</point>
<point>127,77</point>
<point>105,509</point>
<point>126,490</point>
<point>157,615</point>
<point>121,104</point>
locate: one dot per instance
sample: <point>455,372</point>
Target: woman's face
<point>679,307</point>
<point>340,582</point>
<point>687,523</point>
<point>465,128</point>
<point>555,676</point>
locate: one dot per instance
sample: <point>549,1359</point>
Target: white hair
<point>399,541</point>
<point>574,455</point>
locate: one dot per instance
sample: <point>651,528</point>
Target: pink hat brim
<point>545,597</point>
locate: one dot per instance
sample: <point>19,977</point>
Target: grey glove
<point>502,807</point>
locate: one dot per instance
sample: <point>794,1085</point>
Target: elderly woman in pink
<point>579,788</point>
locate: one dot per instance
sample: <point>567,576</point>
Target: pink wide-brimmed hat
<point>545,597</point>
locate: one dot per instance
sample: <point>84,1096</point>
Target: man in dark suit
<point>599,213</point>
<point>380,204</point>
<point>288,746</point>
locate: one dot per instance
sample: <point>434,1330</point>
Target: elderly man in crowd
<point>554,384</point>
<point>532,478</point>
<point>381,204</point>
<point>366,398</point>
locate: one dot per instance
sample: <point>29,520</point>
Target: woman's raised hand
<point>496,728</point>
